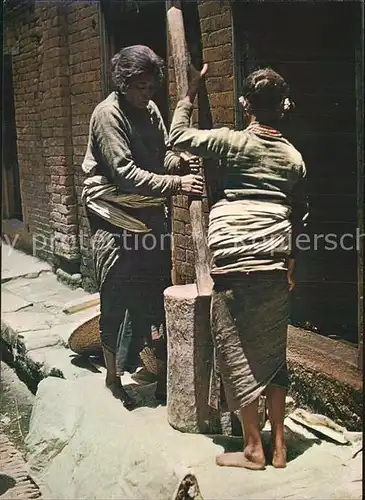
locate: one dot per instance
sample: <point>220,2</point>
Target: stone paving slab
<point>10,302</point>
<point>13,264</point>
<point>37,339</point>
<point>33,323</point>
<point>57,361</point>
<point>44,288</point>
<point>30,320</point>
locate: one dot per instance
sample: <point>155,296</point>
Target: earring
<point>288,104</point>
<point>245,104</point>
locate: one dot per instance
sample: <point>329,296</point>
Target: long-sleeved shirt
<point>258,164</point>
<point>128,162</point>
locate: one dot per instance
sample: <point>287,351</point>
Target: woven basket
<point>151,363</point>
<point>85,339</point>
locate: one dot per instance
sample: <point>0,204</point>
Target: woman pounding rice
<point>249,237</point>
<point>131,170</point>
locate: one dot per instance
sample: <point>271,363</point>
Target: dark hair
<point>133,61</point>
<point>265,91</point>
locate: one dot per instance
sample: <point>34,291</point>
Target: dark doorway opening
<point>141,22</point>
<point>312,44</point>
<point>11,199</point>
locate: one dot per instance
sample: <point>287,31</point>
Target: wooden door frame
<point>14,230</point>
<point>106,51</point>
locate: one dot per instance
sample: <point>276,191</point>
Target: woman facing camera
<point>131,172</point>
<point>250,228</point>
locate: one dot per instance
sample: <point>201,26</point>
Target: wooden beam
<point>181,60</point>
<point>80,304</point>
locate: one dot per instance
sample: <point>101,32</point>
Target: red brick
<point>180,254</point>
<point>216,22</point>
<point>209,8</point>
<point>216,84</point>
<point>188,270</point>
<point>59,170</point>
<point>65,228</point>
<point>82,118</point>
<point>189,242</point>
<point>92,76</point>
<point>182,201</point>
<point>56,198</point>
<point>190,257</point>
<point>178,227</point>
<point>54,142</point>
<point>66,190</point>
<point>223,99</point>
<point>219,53</point>
<point>217,38</point>
<point>221,68</point>
<point>56,216</point>
<point>65,180</point>
<point>68,200</point>
<point>180,241</point>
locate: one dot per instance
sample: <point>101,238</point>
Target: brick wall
<point>85,93</point>
<point>54,104</point>
<point>216,31</point>
<point>23,39</point>
<point>55,51</point>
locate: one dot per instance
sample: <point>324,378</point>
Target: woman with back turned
<point>131,171</point>
<point>250,227</point>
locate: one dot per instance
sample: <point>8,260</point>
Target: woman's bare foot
<point>249,459</point>
<point>279,457</point>
<point>120,393</point>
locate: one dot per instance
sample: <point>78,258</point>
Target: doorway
<point>133,22</point>
<point>312,45</point>
<point>11,196</point>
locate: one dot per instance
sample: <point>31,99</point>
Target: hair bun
<point>261,84</point>
<point>266,90</point>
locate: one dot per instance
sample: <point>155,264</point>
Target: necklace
<point>257,128</point>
